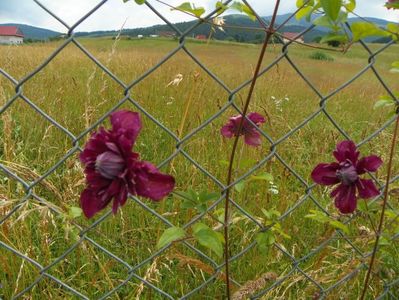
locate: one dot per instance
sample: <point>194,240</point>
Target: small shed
<point>290,36</point>
<point>11,35</point>
<point>201,37</point>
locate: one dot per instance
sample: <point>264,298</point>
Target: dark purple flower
<point>346,172</point>
<point>251,135</point>
<point>113,170</point>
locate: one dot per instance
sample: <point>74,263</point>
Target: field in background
<point>76,93</point>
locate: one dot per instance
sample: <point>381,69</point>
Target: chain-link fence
<point>297,270</point>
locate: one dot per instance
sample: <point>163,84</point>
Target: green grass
<point>75,92</point>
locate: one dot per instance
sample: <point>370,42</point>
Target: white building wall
<point>11,40</point>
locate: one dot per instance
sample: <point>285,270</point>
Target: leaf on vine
<point>243,8</point>
<point>265,240</point>
<point>170,235</point>
<point>331,8</point>
<point>361,30</point>
<point>209,238</point>
<point>190,8</point>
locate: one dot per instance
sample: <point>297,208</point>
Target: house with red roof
<point>292,36</point>
<point>11,35</point>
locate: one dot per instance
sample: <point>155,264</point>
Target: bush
<point>318,55</point>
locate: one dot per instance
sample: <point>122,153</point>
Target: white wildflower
<point>219,22</point>
<point>176,81</point>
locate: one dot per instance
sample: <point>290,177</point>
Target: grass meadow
<point>76,93</point>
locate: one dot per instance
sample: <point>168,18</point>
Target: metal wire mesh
<point>390,288</point>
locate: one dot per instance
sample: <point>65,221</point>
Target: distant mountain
<point>233,34</point>
<point>34,33</point>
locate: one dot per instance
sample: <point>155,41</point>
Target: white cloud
<point>114,13</point>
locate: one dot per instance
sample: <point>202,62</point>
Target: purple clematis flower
<point>113,170</point>
<point>251,135</point>
<point>346,172</point>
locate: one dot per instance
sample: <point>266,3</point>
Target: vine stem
<point>384,205</point>
<point>269,32</point>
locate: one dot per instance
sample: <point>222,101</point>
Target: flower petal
<point>325,174</point>
<point>90,203</point>
<point>95,146</point>
<point>151,183</point>
<point>368,164</point>
<point>252,138</point>
<point>367,188</point>
<point>345,198</point>
<point>256,118</point>
<point>227,130</point>
<point>120,198</point>
<point>126,123</point>
<point>346,150</point>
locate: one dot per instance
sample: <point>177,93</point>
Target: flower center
<point>347,173</point>
<point>109,164</point>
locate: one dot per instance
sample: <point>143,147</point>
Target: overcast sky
<point>115,13</point>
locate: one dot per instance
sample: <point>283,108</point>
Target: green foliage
<point>361,30</point>
<point>384,102</point>
<point>320,217</point>
<point>209,238</point>
<point>243,8</point>
<point>318,55</point>
<point>221,7</point>
<point>267,238</point>
<point>264,240</point>
<point>331,8</point>
<point>140,2</point>
<point>239,187</point>
<point>395,67</point>
<point>75,212</point>
<point>194,200</point>
<point>190,8</point>
<point>170,235</point>
<point>394,5</point>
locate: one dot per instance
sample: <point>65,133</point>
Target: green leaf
<point>395,67</point>
<point>277,228</point>
<point>361,30</point>
<point>264,176</point>
<point>221,6</point>
<point>331,8</point>
<point>304,12</point>
<point>318,216</point>
<point>350,5</point>
<point>190,8</point>
<point>271,214</point>
<point>265,240</point>
<point>75,212</point>
<point>185,195</point>
<point>137,1</point>
<point>334,37</point>
<point>241,7</point>
<point>394,5</point>
<point>205,196</point>
<point>302,3</point>
<point>208,238</point>
<point>338,225</point>
<point>372,206</point>
<point>239,187</point>
<point>187,204</point>
<point>384,102</point>
<point>323,21</point>
<point>169,235</point>
<point>245,163</point>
